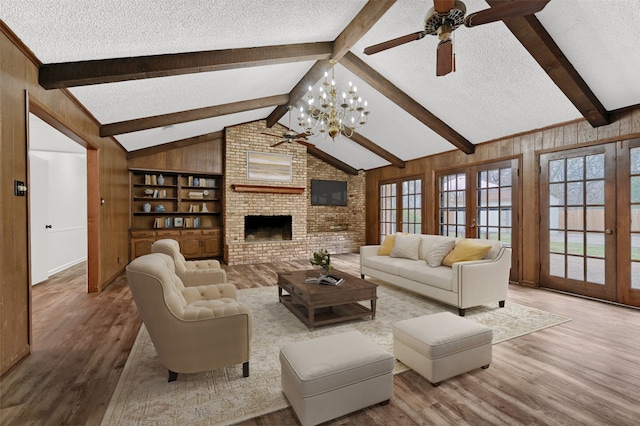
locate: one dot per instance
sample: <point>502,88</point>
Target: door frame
<point>93,191</point>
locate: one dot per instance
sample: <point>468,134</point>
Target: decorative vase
<point>146,207</point>
<point>196,182</point>
<point>325,269</point>
<point>160,179</point>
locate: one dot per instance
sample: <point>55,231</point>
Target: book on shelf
<point>190,181</point>
<point>168,222</point>
<point>194,208</point>
<point>158,222</point>
<point>147,179</point>
<point>154,180</point>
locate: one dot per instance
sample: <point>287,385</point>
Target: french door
<point>481,201</point>
<point>401,206</point>
<point>590,221</point>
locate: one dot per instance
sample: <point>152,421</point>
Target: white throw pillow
<point>406,246</point>
<point>438,252</point>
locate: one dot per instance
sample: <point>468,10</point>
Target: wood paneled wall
<point>206,157</point>
<point>19,80</point>
<point>526,147</point>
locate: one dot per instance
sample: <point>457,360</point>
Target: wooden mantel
<point>268,189</point>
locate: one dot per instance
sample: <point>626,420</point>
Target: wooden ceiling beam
<point>378,150</point>
<point>332,161</point>
<point>170,119</point>
<point>358,27</point>
<point>175,144</point>
<point>535,38</point>
<point>404,101</point>
<point>82,73</point>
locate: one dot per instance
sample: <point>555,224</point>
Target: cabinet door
<point>190,246</point>
<point>141,246</point>
<point>211,244</point>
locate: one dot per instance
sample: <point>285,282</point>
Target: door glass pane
<point>575,244</point>
<point>595,218</point>
<point>595,244</point>
<point>575,194</point>
<point>575,218</point>
<point>556,171</point>
<point>635,161</point>
<point>575,268</point>
<point>635,189</point>
<point>595,166</point>
<point>556,194</point>
<point>556,265</point>
<point>595,271</point>
<point>452,212</point>
<point>387,210</point>
<point>595,192</point>
<point>556,218</point>
<point>575,168</point>
<point>635,275</point>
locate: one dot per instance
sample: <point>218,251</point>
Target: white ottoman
<point>442,345</point>
<point>330,376</point>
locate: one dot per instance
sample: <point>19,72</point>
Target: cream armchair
<point>191,272</point>
<point>193,329</point>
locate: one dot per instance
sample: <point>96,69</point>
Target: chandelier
<point>330,114</point>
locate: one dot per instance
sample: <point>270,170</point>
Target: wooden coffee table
<point>317,304</point>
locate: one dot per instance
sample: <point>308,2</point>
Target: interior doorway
<point>92,190</point>
<point>57,201</point>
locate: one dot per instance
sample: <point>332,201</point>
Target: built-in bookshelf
<point>167,203</point>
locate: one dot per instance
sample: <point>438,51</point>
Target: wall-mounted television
<point>328,192</point>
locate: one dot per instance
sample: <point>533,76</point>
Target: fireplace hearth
<point>259,228</point>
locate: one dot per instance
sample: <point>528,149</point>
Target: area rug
<point>144,397</point>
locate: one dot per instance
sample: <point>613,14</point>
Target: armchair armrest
<point>482,281</point>
<point>199,277</point>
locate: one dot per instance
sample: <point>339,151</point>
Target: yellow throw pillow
<point>387,245</point>
<point>466,250</point>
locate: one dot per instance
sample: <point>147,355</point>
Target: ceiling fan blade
<point>305,143</point>
<point>270,134</point>
<point>278,143</point>
<point>394,43</point>
<point>443,6</point>
<point>504,11</point>
<point>302,135</point>
<point>444,58</point>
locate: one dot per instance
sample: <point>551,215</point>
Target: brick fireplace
<point>308,228</point>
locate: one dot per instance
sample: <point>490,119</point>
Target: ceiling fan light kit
<point>327,113</point>
<point>447,15</point>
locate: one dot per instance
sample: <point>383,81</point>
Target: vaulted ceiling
<point>157,73</point>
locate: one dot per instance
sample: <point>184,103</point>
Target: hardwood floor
<point>586,371</point>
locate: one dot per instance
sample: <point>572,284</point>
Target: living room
<point>109,212</point>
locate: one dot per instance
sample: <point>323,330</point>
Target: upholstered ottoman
<point>330,376</point>
<point>442,345</point>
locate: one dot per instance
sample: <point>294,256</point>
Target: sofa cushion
<point>438,252</point>
<point>387,245</point>
<point>429,241</point>
<point>439,277</point>
<point>466,250</point>
<point>406,246</point>
<point>383,263</point>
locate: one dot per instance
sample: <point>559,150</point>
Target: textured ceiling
<point>497,90</point>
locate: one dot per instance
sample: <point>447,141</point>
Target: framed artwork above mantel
<point>269,166</point>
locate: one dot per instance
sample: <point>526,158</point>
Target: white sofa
<point>464,284</point>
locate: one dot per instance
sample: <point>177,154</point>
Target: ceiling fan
<point>290,136</point>
<point>447,15</point>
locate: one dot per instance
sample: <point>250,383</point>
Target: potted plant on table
<point>322,258</point>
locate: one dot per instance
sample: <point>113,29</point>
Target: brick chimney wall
<point>338,229</point>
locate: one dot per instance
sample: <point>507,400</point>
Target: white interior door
<point>39,215</point>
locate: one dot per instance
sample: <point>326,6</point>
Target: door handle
<point>608,231</point>
<point>47,226</point>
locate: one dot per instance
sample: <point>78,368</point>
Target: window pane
<point>595,244</point>
<point>635,160</point>
<point>575,268</point>
<point>575,243</point>
<point>505,196</point>
<point>556,171</point>
<point>556,194</point>
<point>595,218</point>
<point>595,192</point>
<point>635,189</point>
<point>575,195</point>
<point>575,168</point>
<point>556,265</point>
<point>556,242</point>
<point>556,218</point>
<point>505,177</point>
<point>595,166</point>
<point>635,247</point>
<point>635,275</point>
<point>575,218</point>
<point>635,218</point>
<point>595,271</point>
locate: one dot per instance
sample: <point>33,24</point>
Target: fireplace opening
<point>267,228</point>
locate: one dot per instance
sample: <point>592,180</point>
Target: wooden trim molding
<point>268,189</point>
